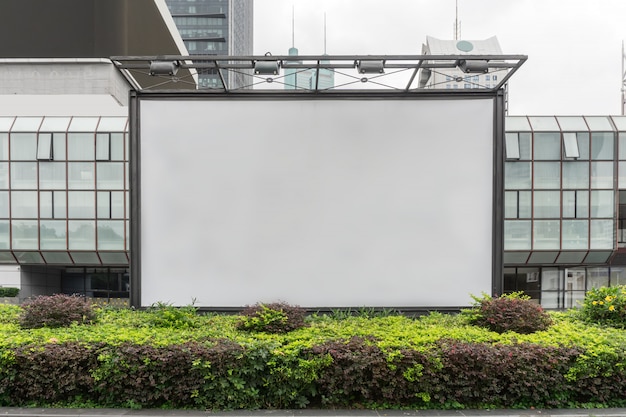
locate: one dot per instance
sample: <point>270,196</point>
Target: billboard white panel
<point>319,203</point>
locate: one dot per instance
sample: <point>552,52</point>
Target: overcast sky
<point>574,47</point>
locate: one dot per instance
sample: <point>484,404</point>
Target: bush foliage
<point>165,357</point>
<point>9,291</point>
<point>277,317</point>
<point>605,305</point>
<point>57,310</point>
<point>513,312</point>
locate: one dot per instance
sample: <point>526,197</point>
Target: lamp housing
<point>164,67</point>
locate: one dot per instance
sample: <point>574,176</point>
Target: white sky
<point>574,47</point>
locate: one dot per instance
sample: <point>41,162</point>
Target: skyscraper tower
<point>215,27</point>
<point>307,78</point>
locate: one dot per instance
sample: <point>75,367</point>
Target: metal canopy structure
<point>390,73</point>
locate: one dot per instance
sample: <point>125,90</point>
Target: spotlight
<point>371,67</point>
<point>266,68</point>
<point>164,67</point>
<point>476,66</point>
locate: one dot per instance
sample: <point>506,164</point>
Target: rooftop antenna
<point>325,34</point>
<point>457,24</point>
<point>623,82</point>
<point>293,27</point>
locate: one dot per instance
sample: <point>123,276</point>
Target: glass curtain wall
<point>64,190</point>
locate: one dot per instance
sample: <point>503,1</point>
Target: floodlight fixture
<point>371,66</point>
<point>473,66</point>
<point>262,67</point>
<point>164,67</point>
<point>266,67</point>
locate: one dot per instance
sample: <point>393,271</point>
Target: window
<point>103,147</point>
<point>494,77</point>
<point>487,77</point>
<point>576,204</point>
<point>512,146</point>
<point>570,145</point>
<point>44,147</point>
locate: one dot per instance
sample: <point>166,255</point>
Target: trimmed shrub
<point>167,316</point>
<point>605,305</point>
<point>49,374</point>
<point>518,375</point>
<point>57,310</point>
<point>271,318</point>
<point>9,291</point>
<point>510,313</point>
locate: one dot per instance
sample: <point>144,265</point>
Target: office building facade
<point>216,27</point>
<point>565,179</point>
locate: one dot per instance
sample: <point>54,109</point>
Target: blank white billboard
<point>319,203</point>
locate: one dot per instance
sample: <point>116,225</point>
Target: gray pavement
<point>109,412</point>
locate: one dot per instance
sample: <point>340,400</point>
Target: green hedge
<point>434,361</point>
<point>9,291</point>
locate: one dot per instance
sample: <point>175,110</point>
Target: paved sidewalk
<point>109,412</point>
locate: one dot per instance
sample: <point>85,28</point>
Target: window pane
<point>24,204</point>
<point>602,145</point>
<point>60,204</point>
<point>104,205</point>
<point>547,146</point>
<point>583,144</point>
<point>575,234</point>
<point>4,146</point>
<point>24,175</point>
<point>510,205</point>
<point>4,234</point>
<point>547,204</point>
<point>25,234</point>
<point>80,146</point>
<point>516,234</point>
<point>525,146</point>
<point>53,234</point>
<point>52,175</point>
<point>58,146</point>
<point>546,234</point>
<point>82,234</point>
<point>622,175</point>
<point>81,205</point>
<point>602,175</point>
<point>23,146</point>
<point>111,234</point>
<point>547,175</point>
<point>103,149</point>
<point>602,204</point>
<point>602,234</point>
<point>575,174</point>
<point>622,145</point>
<point>4,204</point>
<point>44,146</point>
<point>45,205</point>
<point>117,146</point>
<point>117,205</point>
<point>525,205</point>
<point>517,175</point>
<point>570,145</point>
<point>80,175</point>
<point>4,175</point>
<point>512,146</point>
<point>575,204</point>
<point>110,175</point>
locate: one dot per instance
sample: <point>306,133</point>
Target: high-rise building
<point>307,78</point>
<point>455,78</point>
<point>215,27</point>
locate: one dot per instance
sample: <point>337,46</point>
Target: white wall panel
<point>320,203</point>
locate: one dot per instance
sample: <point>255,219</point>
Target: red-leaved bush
<point>59,310</point>
<point>511,313</point>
